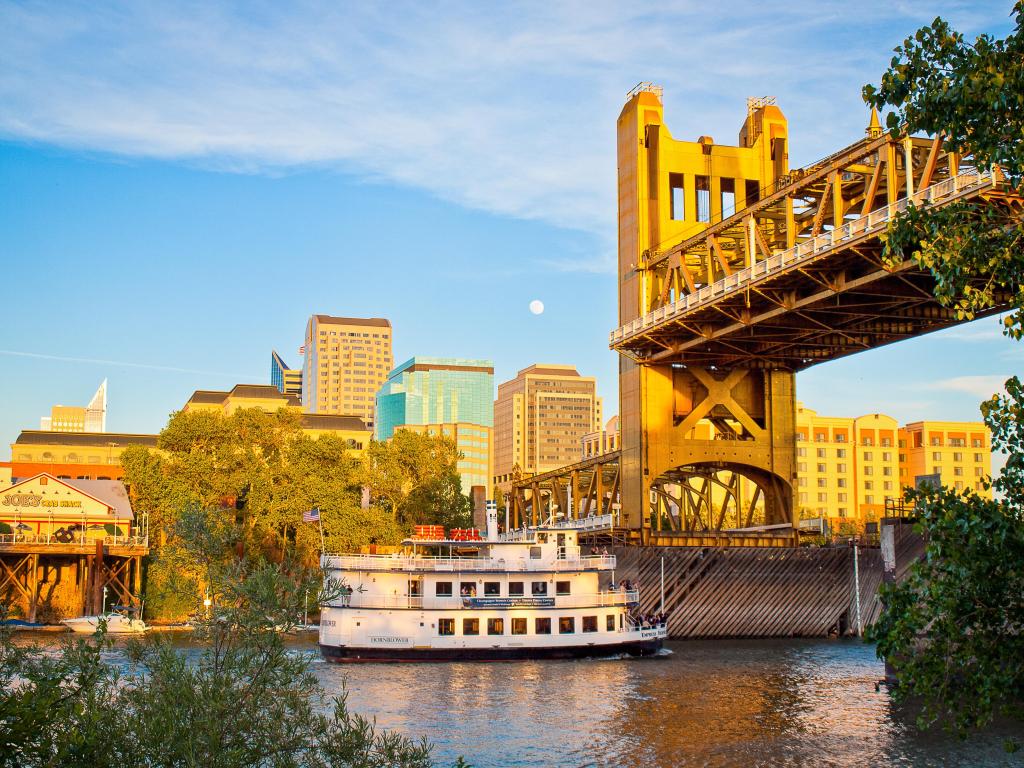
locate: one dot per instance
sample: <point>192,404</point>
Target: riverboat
<point>527,594</point>
<point>119,621</point>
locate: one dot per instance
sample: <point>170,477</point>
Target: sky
<point>182,185</point>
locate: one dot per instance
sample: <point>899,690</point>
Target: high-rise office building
<point>73,418</point>
<point>444,396</point>
<point>347,360</point>
<point>287,380</point>
<point>540,418</point>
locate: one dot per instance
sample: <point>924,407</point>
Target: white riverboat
<point>119,621</point>
<point>524,595</point>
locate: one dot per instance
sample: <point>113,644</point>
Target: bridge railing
<point>871,223</point>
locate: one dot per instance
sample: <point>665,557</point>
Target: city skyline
<point>168,216</point>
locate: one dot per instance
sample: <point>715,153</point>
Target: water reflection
<point>731,703</point>
<point>750,703</point>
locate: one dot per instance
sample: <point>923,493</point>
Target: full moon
<point>537,307</point>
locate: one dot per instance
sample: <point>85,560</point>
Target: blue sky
<point>182,185</point>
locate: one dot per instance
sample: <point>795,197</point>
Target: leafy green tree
<point>244,701</point>
<point>414,477</point>
<point>954,629</point>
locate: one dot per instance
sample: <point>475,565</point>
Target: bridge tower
<point>703,448</point>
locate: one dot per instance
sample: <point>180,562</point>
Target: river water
<point>722,703</point>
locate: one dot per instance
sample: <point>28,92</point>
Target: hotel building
<point>540,418</point>
<point>347,360</point>
<point>287,380</point>
<point>445,396</point>
<point>959,453</point>
<point>268,399</point>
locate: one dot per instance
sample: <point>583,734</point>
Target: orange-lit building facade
<point>960,453</point>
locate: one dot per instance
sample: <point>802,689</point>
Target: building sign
<point>35,500</point>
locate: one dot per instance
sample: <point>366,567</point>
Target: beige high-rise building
<point>74,418</point>
<point>959,452</point>
<point>347,360</point>
<point>540,418</point>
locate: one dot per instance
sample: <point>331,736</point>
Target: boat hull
<point>353,654</point>
<point>88,625</point>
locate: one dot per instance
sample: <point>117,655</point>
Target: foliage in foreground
<point>954,630</point>
<point>241,699</point>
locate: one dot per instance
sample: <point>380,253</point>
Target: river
<point>722,703</point>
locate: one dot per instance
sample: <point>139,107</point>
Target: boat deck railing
<point>606,599</point>
<point>397,562</point>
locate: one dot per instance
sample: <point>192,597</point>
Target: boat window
<point>518,626</point>
<point>539,587</point>
<point>610,622</point>
<point>542,538</point>
<point>590,623</point>
<point>620,621</point>
<point>515,588</point>
<point>443,589</point>
<point>467,589</point>
<point>495,626</point>
<point>471,626</point>
<point>542,626</point>
<point>562,588</point>
<point>446,626</point>
<point>492,588</point>
<point>566,625</point>
<point>535,553</point>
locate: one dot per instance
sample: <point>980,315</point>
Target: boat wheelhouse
<point>526,594</point>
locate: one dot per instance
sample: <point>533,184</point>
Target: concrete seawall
<point>757,592</point>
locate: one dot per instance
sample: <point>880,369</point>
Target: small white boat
<point>119,622</point>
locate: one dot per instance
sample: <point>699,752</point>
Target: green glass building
<point>448,396</point>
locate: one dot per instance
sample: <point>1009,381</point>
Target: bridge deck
<point>827,297</point>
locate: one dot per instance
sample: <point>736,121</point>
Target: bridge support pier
<point>706,450</point>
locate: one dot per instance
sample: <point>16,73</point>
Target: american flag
<point>302,349</point>
<point>313,516</point>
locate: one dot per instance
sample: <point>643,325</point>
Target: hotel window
<point>840,438</point>
<point>887,485</point>
<point>841,497</point>
<point>801,452</point>
<point>958,456</point>
<point>936,441</point>
<point>936,456</point>
<point>978,471</point>
<point>566,625</point>
<point>887,471</point>
<point>868,456</point>
<point>519,626</point>
<point>869,441</point>
<point>936,470</point>
<point>563,587</point>
<point>590,623</point>
<point>869,499</point>
<point>977,458</point>
<point>515,589</point>
<point>959,485</point>
<point>822,482</point>
<point>821,453</point>
<point>495,626</point>
<point>609,622</point>
<point>538,587</point>
<point>886,456</point>
<point>801,481</point>
<point>841,453</point>
<point>542,626</point>
<point>822,497</point>
<point>958,471</point>
<point>869,485</point>
<point>841,467</point>
<point>443,589</point>
<point>471,626</point>
<point>869,470</point>
<point>821,468</point>
<point>976,443</point>
<point>492,588</point>
<point>801,466</point>
<point>446,626</point>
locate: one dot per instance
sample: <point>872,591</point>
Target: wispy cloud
<point>127,364</point>
<point>982,387</point>
<point>506,107</point>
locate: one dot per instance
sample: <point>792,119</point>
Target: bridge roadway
<point>828,296</point>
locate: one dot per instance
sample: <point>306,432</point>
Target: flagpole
<point>320,523</point>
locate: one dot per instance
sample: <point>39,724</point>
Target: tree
<point>414,477</point>
<point>244,701</point>
<point>954,629</point>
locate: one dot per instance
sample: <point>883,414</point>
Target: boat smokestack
<point>492,519</point>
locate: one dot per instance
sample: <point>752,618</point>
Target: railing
<point>80,539</point>
<point>460,564</point>
<point>604,599</point>
<point>869,224</point>
<point>590,523</point>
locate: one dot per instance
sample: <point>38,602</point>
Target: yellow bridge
<point>734,273</point>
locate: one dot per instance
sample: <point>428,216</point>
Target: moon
<point>537,307</point>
